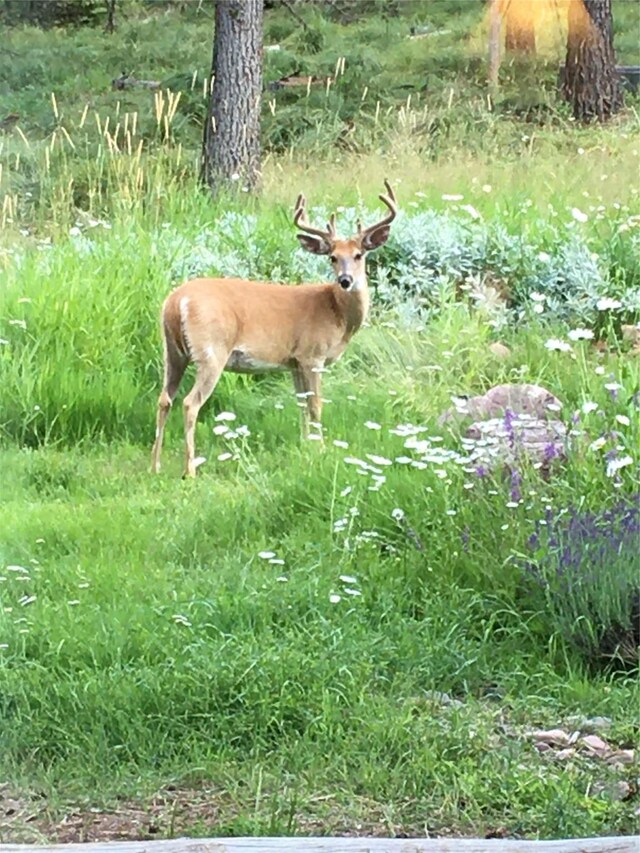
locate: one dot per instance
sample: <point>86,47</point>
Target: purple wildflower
<point>516,481</point>
<point>509,418</point>
<point>466,536</point>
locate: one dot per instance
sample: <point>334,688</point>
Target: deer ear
<point>315,245</point>
<point>376,238</point>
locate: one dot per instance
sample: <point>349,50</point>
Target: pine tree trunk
<point>231,145</point>
<point>521,34</point>
<point>591,84</point>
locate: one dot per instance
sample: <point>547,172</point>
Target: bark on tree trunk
<point>591,84</point>
<point>521,34</point>
<point>231,144</point>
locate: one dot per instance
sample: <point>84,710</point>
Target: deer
<point>231,324</point>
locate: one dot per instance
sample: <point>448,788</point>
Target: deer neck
<point>353,306</point>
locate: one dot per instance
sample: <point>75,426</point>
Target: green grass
<point>160,647</point>
<point>148,653</point>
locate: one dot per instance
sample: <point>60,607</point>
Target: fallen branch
<point>293,81</point>
<point>127,81</point>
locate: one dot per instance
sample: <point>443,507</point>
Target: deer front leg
<point>301,389</point>
<point>311,378</point>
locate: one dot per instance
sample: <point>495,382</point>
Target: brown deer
<point>255,327</point>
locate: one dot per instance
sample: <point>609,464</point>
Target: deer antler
<point>391,203</point>
<point>301,222</point>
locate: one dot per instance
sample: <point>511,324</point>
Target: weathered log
<point>629,844</point>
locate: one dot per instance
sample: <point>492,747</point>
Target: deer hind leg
<point>208,373</point>
<point>175,366</point>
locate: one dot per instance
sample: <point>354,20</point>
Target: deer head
<point>347,256</point>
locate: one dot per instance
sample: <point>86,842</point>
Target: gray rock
<point>499,441</point>
<point>442,699</point>
<point>590,725</point>
<point>523,399</point>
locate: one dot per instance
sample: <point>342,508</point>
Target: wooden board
<point>629,844</point>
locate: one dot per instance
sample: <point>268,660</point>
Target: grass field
<point>265,650</point>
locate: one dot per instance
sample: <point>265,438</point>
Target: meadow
<point>360,639</point>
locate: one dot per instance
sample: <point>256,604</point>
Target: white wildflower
<point>226,416</point>
<point>558,345</point>
<point>452,197</point>
<point>578,215</point>
<point>589,406</point>
<point>353,460</point>
<point>379,460</point>
<point>614,465</point>
<point>623,419</point>
<point>266,555</point>
<point>372,425</point>
<point>580,335</point>
<point>470,209</point>
<point>608,304</point>
<point>334,599</point>
<point>348,579</point>
<point>339,443</point>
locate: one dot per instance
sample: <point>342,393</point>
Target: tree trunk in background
<point>231,145</point>
<point>521,33</point>
<point>591,84</point>
<point>495,26</point>
<point>110,24</point>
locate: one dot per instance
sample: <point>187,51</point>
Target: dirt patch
<point>174,813</point>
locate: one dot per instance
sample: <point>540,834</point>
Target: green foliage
<point>147,638</point>
<point>53,13</point>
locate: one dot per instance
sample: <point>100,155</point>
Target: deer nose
<point>345,281</point>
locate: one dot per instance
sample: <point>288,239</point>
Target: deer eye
<point>333,259</point>
<point>357,256</point>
